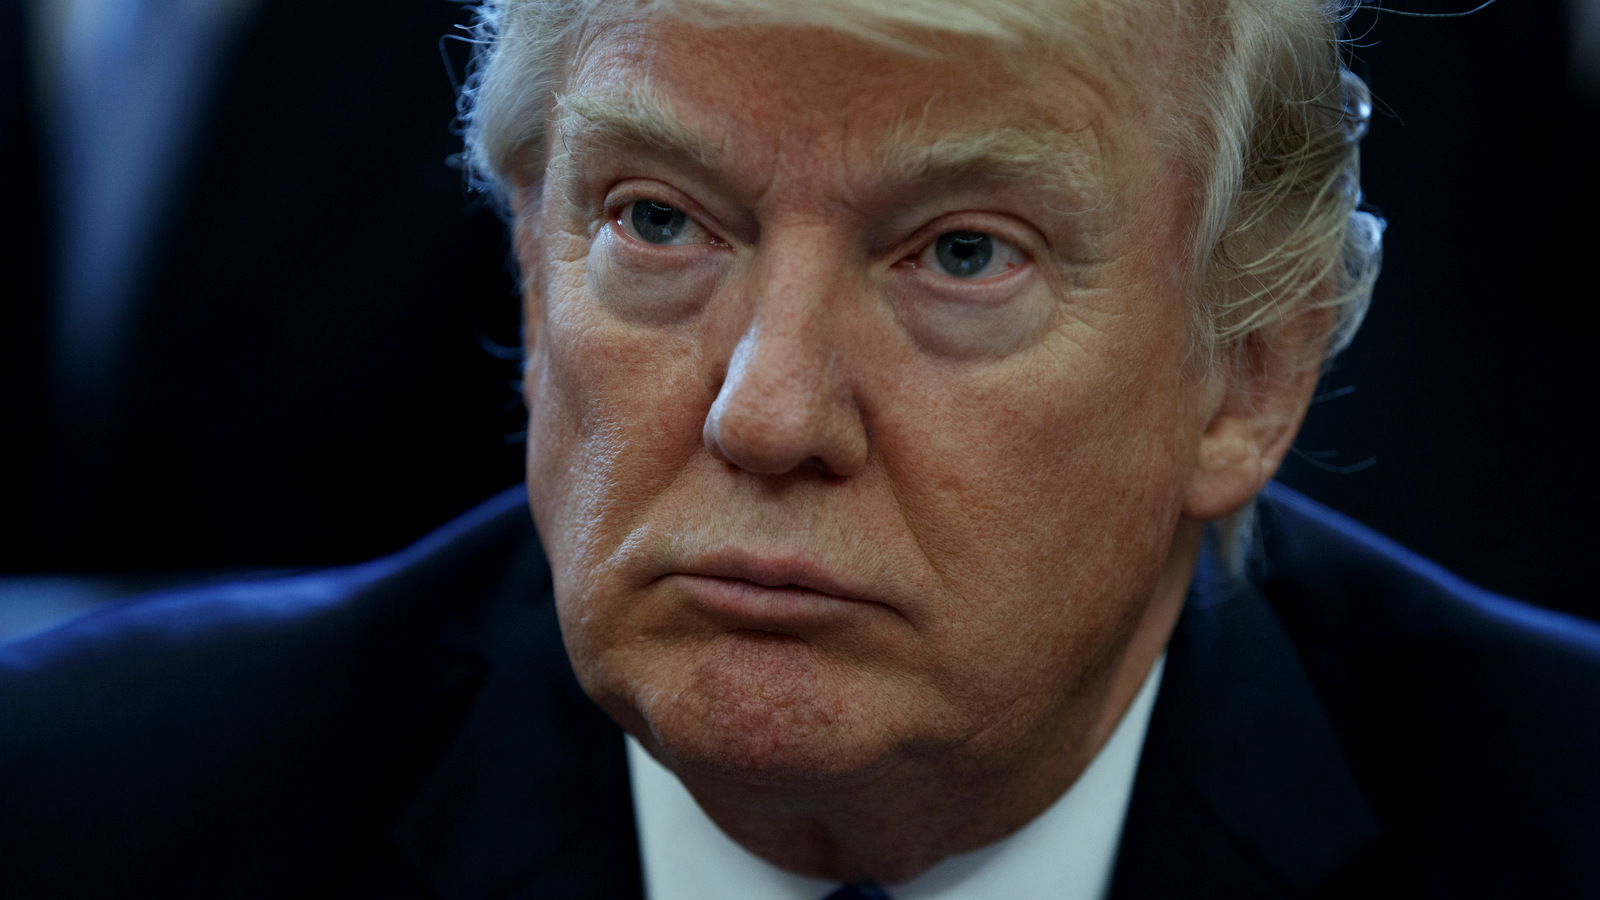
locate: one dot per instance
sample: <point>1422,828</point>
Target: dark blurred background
<point>245,326</point>
<point>256,324</point>
<point>1460,420</point>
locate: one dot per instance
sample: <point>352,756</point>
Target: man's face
<point>861,421</point>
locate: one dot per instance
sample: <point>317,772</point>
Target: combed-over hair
<point>1269,139</point>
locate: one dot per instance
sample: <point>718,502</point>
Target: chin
<point>766,710</point>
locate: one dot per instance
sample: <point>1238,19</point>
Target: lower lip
<point>755,605</point>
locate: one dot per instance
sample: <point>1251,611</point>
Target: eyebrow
<point>632,116</point>
<point>1051,161</point>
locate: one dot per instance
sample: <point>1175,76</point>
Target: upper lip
<point>777,572</point>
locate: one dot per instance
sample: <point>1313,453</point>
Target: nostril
<point>768,442</point>
<point>708,436</point>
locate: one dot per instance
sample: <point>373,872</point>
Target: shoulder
<point>1342,587</point>
<point>282,626</point>
<point>1473,720</point>
<point>262,720</point>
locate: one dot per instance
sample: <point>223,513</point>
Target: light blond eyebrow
<point>634,115</point>
<point>1050,161</point>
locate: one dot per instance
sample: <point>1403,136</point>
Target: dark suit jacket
<point>1353,723</point>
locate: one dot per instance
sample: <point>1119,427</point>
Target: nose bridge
<point>787,398</point>
<point>791,333</point>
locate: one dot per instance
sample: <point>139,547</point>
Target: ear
<point>1265,387</point>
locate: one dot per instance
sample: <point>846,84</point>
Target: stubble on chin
<point>765,711</point>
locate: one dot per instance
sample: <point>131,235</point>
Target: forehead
<point>813,97</point>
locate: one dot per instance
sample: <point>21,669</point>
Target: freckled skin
<point>1017,484</point>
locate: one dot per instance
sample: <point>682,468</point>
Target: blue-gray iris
<point>964,253</point>
<point>657,223</point>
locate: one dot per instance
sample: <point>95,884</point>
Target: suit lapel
<point>1242,789</point>
<point>532,799</point>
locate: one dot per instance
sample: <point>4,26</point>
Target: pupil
<point>964,253</point>
<point>657,223</point>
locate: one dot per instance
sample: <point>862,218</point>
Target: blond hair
<point>1274,119</point>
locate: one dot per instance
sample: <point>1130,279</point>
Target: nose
<point>787,403</point>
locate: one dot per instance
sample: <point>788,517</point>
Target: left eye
<point>655,222</point>
<point>970,254</point>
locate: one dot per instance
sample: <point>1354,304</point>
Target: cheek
<point>1038,493</point>
<point>614,411</point>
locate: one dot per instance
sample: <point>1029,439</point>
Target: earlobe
<point>1268,383</point>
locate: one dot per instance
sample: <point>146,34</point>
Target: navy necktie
<point>859,892</point>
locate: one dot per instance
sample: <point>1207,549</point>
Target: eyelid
<point>628,192</point>
<point>995,227</point>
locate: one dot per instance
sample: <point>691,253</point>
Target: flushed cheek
<point>622,435</point>
<point>1049,588</point>
<point>615,412</point>
<point>1039,490</point>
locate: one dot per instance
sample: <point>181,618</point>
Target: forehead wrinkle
<point>1052,162</point>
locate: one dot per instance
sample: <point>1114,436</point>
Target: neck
<point>920,811</point>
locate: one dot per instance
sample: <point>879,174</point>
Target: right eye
<point>971,255</point>
<point>655,222</point>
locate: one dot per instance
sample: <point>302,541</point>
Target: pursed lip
<point>765,588</point>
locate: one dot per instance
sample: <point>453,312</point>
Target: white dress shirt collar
<point>1067,853</point>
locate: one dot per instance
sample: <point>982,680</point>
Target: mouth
<point>770,593</point>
